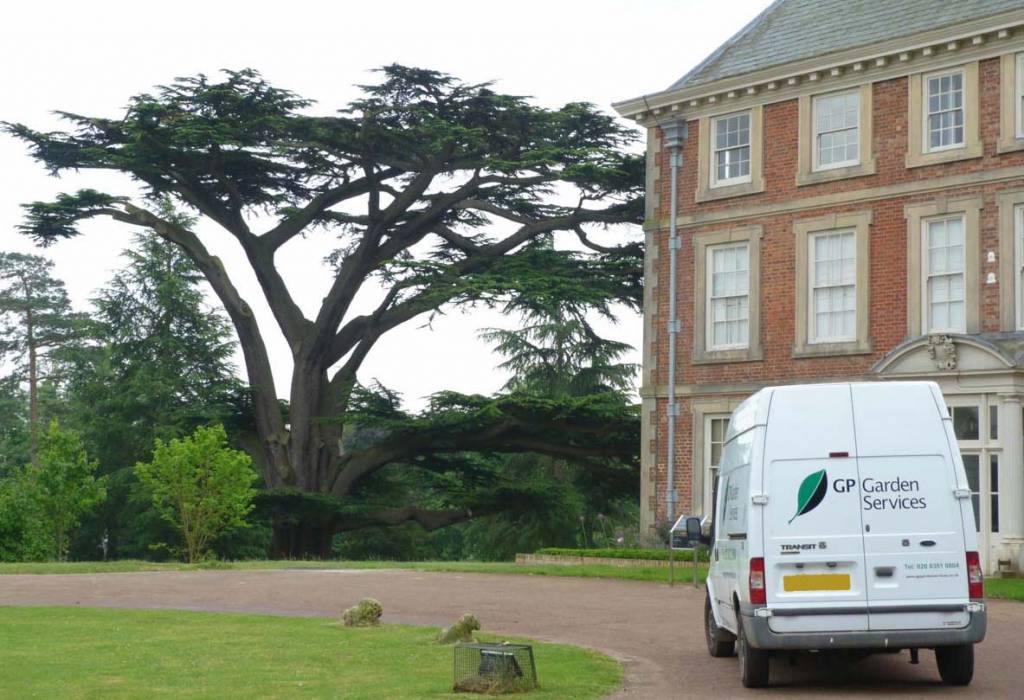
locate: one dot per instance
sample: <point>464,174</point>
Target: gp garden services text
<point>896,487</point>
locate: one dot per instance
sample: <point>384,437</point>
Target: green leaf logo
<point>811,493</point>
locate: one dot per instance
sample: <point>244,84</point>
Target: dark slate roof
<point>791,30</point>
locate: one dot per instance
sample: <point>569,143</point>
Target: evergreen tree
<point>560,369</point>
<point>36,319</point>
<point>440,190</point>
<point>13,425</point>
<point>162,365</point>
<point>558,354</point>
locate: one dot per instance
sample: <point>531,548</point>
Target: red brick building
<point>849,205</point>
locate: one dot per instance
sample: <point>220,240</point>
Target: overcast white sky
<point>89,57</point>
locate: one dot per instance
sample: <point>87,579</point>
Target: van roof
<point>754,410</point>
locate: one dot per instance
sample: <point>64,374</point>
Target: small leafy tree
<point>66,487</point>
<point>200,486</point>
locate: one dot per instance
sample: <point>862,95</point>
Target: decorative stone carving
<point>943,351</point>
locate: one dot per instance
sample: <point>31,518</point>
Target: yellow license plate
<point>816,582</point>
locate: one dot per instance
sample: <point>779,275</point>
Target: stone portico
<point>982,378</point>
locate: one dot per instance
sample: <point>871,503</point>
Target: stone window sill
<point>711,357</point>
<point>857,347</point>
<point>816,177</point>
<point>1010,146</point>
<point>917,160</point>
<point>710,194</point>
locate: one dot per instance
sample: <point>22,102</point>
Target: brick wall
<point>888,263</point>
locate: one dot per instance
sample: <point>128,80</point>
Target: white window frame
<point>713,138</point>
<point>812,337</point>
<point>1018,264</point>
<point>709,330</point>
<point>1018,102</point>
<point>984,448</point>
<point>925,133</point>
<point>711,470</point>
<point>926,316</point>
<point>815,134</point>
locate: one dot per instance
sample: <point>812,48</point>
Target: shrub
<point>23,536</point>
<point>648,554</point>
<point>461,631</point>
<point>365,613</point>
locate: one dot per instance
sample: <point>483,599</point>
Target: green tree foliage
<point>567,386</point>
<point>13,425</point>
<point>557,353</point>
<point>162,362</point>
<point>200,486</point>
<point>36,319</point>
<point>446,193</point>
<point>159,365</point>
<point>23,536</point>
<point>64,485</point>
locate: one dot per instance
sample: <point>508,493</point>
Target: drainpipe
<point>674,134</point>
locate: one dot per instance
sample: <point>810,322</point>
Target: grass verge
<point>1008,588</point>
<point>92,652</point>
<point>640,573</point>
<point>1005,588</point>
<point>623,553</point>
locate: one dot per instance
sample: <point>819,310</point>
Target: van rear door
<point>913,528</point>
<point>814,549</point>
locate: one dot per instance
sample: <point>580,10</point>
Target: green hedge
<point>613,553</point>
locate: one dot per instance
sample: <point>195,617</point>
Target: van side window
<point>734,483</point>
<point>734,515</point>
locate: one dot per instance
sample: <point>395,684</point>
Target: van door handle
<point>885,571</point>
<point>927,543</point>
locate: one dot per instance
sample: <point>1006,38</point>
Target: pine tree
<point>35,320</point>
<point>162,365</point>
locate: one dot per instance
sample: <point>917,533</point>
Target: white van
<point>843,520</point>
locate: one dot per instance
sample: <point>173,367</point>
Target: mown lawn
<point>1009,588</point>
<point>103,653</point>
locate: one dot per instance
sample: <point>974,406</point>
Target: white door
<point>814,549</point>
<point>976,426</point>
<point>913,534</point>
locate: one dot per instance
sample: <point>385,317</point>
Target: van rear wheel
<point>720,642</point>
<point>956,664</point>
<point>753,662</point>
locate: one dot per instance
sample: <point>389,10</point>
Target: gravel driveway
<point>654,629</point>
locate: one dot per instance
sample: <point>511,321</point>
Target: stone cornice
<point>735,215</point>
<point>969,41</point>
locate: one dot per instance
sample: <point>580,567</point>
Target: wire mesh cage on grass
<point>494,668</point>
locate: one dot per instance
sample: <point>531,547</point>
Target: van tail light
<point>757,592</point>
<point>975,580</point>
